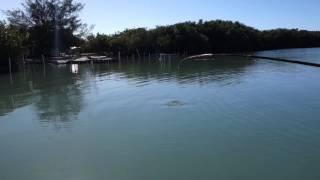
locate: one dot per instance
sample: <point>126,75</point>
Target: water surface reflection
<point>58,97</point>
<point>227,118</point>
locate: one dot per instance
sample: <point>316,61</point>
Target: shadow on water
<point>60,99</point>
<point>57,94</point>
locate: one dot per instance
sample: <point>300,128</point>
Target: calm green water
<point>228,119</point>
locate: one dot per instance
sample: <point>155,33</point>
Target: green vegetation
<point>12,40</point>
<point>201,37</point>
<point>51,26</point>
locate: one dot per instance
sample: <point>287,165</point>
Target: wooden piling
<point>42,58</point>
<point>24,67</point>
<point>119,56</point>
<point>138,53</point>
<point>44,65</point>
<point>10,70</point>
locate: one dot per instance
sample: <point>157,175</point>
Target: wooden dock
<point>72,60</point>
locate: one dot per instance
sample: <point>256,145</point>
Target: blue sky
<point>110,16</point>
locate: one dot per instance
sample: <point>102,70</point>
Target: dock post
<point>12,102</point>
<point>24,67</point>
<point>138,53</point>
<point>119,56</point>
<point>44,65</point>
<point>10,70</point>
<point>9,65</point>
<point>42,58</point>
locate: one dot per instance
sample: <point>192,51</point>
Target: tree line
<point>216,36</point>
<point>42,27</point>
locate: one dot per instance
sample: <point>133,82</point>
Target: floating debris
<point>199,56</point>
<point>175,103</point>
